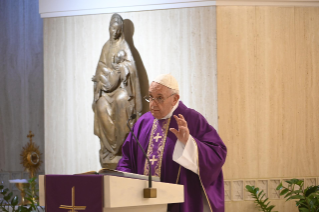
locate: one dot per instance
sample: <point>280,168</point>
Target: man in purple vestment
<point>183,148</point>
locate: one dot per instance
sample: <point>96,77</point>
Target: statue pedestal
<point>110,161</point>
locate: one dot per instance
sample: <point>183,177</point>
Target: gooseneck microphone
<point>148,192</point>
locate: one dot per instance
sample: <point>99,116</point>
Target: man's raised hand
<point>182,133</point>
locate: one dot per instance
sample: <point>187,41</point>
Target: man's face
<point>160,110</point>
<point>115,31</point>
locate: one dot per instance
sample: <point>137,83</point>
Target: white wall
<point>58,8</point>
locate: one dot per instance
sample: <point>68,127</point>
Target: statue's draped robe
<point>211,157</point>
<point>113,109</point>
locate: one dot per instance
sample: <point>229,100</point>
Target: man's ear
<point>176,98</point>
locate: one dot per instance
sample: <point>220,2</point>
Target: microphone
<point>148,192</point>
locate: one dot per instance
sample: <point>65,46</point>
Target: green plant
<point>7,199</point>
<point>307,200</point>
<point>260,199</point>
<point>10,201</point>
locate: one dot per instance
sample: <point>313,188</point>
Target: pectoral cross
<point>30,136</point>
<point>73,208</point>
<point>153,160</point>
<point>157,137</point>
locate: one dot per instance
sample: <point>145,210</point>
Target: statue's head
<point>116,27</point>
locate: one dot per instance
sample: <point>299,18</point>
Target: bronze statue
<point>117,94</point>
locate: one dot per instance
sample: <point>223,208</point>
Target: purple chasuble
<point>211,157</point>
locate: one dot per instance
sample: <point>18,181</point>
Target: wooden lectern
<point>117,189</point>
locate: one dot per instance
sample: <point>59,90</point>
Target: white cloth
<point>187,156</point>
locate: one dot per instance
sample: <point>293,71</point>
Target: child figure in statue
<point>120,59</point>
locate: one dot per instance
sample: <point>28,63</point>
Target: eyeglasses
<point>159,100</point>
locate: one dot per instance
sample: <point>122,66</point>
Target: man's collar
<point>169,115</point>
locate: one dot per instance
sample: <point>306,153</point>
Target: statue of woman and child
<point>117,94</point>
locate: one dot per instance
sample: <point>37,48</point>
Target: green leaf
<point>279,187</point>
<point>295,181</point>
<point>1,187</point>
<point>8,197</point>
<point>300,182</point>
<point>283,192</point>
<point>260,193</point>
<point>23,209</point>
<point>270,207</point>
<point>256,190</point>
<point>250,188</point>
<point>303,210</point>
<point>4,192</point>
<point>30,199</point>
<point>288,194</point>
<point>311,189</point>
<point>297,197</point>
<point>289,182</point>
<point>32,180</point>
<point>15,201</point>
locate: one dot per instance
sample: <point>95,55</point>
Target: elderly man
<point>182,146</point>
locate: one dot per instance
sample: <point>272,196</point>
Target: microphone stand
<point>148,192</point>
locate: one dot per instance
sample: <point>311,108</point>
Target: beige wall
<point>268,99</point>
<point>177,41</point>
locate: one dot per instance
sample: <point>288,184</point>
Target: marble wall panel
<point>34,89</point>
<point>237,190</point>
<point>267,96</point>
<point>275,95</point>
<point>12,84</point>
<point>267,90</point>
<point>4,179</point>
<point>178,41</point>
<point>227,188</point>
<point>273,193</point>
<point>21,80</point>
<point>236,48</point>
<point>310,182</point>
<point>250,206</point>
<point>307,82</point>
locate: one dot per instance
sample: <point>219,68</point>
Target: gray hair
<point>175,91</point>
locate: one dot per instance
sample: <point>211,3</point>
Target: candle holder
<point>22,187</point>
